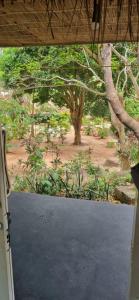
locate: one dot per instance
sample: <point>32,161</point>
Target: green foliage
<point>49,183</point>
<point>131,151</point>
<point>47,71</point>
<point>78,178</point>
<point>14,118</point>
<point>26,68</point>
<point>116,180</point>
<point>20,184</point>
<point>35,160</point>
<point>98,121</point>
<point>54,124</point>
<point>37,176</point>
<point>132,107</point>
<point>16,63</point>
<point>88,130</point>
<point>87,125</point>
<point>96,106</point>
<point>102,132</point>
<point>134,153</point>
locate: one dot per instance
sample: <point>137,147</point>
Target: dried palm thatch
<point>47,22</point>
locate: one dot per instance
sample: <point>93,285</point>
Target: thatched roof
<point>42,22</point>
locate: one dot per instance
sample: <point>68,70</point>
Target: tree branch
<point>128,70</point>
<point>92,55</point>
<point>89,68</point>
<point>112,96</point>
<point>125,82</point>
<point>118,78</point>
<point>71,82</point>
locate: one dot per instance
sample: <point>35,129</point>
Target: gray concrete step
<point>70,249</point>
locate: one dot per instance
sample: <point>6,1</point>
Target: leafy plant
<point>56,161</point>
<point>132,107</point>
<point>88,130</point>
<point>14,117</point>
<point>102,132</point>
<point>78,178</point>
<point>134,153</point>
<point>54,124</point>
<point>98,121</point>
<point>21,184</point>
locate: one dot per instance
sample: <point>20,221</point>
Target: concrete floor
<point>69,249</point>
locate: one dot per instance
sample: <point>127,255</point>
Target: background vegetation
<point>50,90</point>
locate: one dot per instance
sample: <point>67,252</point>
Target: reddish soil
<point>101,155</point>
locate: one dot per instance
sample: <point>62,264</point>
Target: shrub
<point>14,117</point>
<point>87,125</point>
<point>54,124</point>
<point>132,108</point>
<point>88,130</point>
<point>79,178</point>
<point>103,133</point>
<point>20,184</point>
<point>98,121</point>
<point>134,153</point>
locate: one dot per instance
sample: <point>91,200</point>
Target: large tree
<point>61,74</point>
<point>69,75</point>
<point>118,63</point>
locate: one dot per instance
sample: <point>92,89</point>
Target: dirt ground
<point>101,155</point>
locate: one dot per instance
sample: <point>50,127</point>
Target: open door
<point>6,272</point>
<point>134,279</point>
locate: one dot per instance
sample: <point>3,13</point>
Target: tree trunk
<point>123,153</point>
<point>117,106</point>
<point>112,95</point>
<point>75,102</point>
<point>77,137</point>
<point>120,129</point>
<point>76,122</point>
